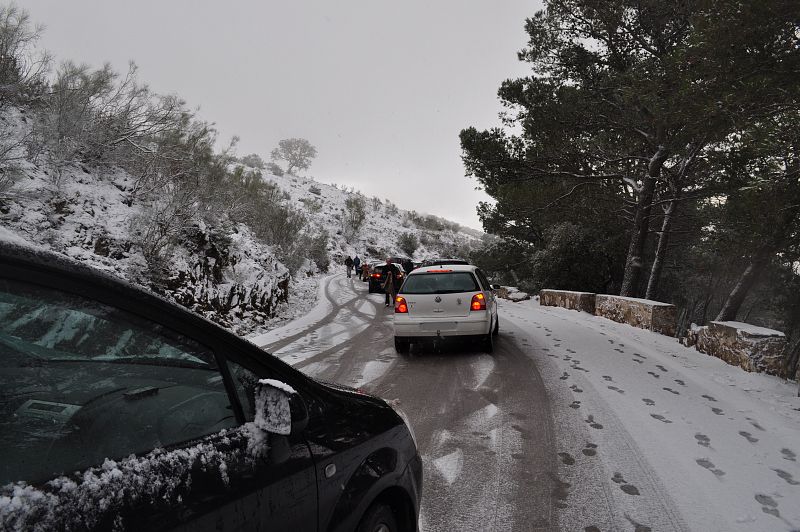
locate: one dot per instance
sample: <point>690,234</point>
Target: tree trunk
<point>661,250</point>
<point>746,281</point>
<point>641,225</point>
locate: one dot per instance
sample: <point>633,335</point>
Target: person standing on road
<point>348,262</point>
<point>356,264</point>
<point>365,271</point>
<point>390,285</point>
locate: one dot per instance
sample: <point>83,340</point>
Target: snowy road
<point>575,423</point>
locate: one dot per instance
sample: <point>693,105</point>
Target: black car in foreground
<point>121,410</point>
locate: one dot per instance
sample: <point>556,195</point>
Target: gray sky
<point>381,88</point>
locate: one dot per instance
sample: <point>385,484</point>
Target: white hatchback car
<point>442,301</point>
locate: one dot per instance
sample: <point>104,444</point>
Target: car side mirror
<point>279,408</point>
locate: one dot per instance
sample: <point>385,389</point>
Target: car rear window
<point>440,283</point>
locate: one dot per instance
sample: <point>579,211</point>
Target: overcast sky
<point>381,88</point>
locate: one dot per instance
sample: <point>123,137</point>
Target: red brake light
<point>376,276</point>
<point>400,305</point>
<point>439,271</point>
<point>478,302</point>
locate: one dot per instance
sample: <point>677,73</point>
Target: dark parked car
<point>444,262</point>
<point>121,410</point>
<point>378,277</point>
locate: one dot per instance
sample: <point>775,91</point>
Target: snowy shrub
<point>274,169</point>
<point>314,189</point>
<point>22,69</point>
<point>313,205</point>
<point>253,161</point>
<point>408,243</point>
<point>354,215</point>
<point>376,203</point>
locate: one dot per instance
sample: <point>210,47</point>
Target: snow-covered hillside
<point>216,266</point>
<point>325,206</point>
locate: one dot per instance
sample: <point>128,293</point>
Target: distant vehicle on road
<point>121,410</point>
<point>378,277</point>
<point>446,301</point>
<point>444,262</point>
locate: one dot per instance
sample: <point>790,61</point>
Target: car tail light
<point>438,271</point>
<point>400,305</point>
<point>478,302</point>
<point>376,276</point>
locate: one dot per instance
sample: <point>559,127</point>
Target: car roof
<point>448,268</point>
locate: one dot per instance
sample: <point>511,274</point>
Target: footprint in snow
<point>662,368</point>
<point>590,449</point>
<point>570,351</point>
<point>560,490</point>
<point>786,476</point>
<point>575,389</point>
<point>630,489</point>
<point>702,439</point>
<point>755,424</point>
<point>747,436</point>
<point>639,356</point>
<point>768,504</point>
<point>556,345</point>
<point>655,375</point>
<point>648,402</point>
<point>637,361</point>
<point>610,341</point>
<point>608,378</point>
<point>567,357</point>
<point>709,398</point>
<point>680,382</point>
<point>618,350</point>
<point>592,423</point>
<point>718,411</point>
<point>616,389</point>
<point>575,404</point>
<point>565,376</point>
<point>708,464</point>
<point>557,339</point>
<point>580,368</point>
<point>638,527</point>
<point>566,458</point>
<point>670,390</point>
<point>660,418</point>
<point>788,454</point>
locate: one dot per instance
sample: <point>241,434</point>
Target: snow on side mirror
<point>273,408</point>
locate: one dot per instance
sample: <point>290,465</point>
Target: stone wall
<point>583,301</point>
<point>741,344</point>
<point>643,313</point>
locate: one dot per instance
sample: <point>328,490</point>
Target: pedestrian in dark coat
<point>356,263</point>
<point>348,262</point>
<point>390,285</point>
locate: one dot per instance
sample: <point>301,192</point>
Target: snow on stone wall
<point>582,301</point>
<point>750,347</point>
<point>643,313</point>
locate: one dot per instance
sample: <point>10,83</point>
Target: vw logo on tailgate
<point>438,299</point>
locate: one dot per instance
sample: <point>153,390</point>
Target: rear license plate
<point>443,326</point>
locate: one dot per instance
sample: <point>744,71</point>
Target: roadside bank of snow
<point>658,421</point>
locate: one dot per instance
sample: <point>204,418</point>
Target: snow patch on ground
<point>723,442</point>
<point>450,465</point>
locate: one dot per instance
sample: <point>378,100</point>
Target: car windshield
<point>440,283</point>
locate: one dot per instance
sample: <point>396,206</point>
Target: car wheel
<point>401,345</point>
<point>488,342</point>
<point>379,518</point>
<point>496,330</point>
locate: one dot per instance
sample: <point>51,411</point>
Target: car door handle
<point>330,470</point>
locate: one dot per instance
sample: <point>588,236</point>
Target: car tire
<point>401,345</point>
<point>496,330</point>
<point>378,518</point>
<point>488,342</point>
